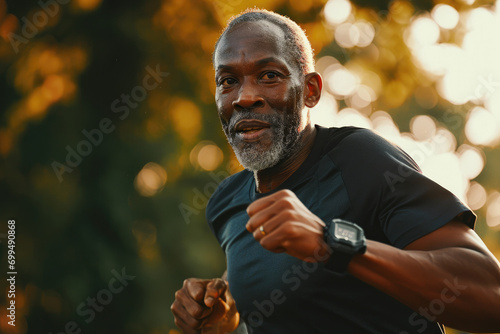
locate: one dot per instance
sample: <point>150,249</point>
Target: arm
<point>448,276</point>
<point>451,264</point>
<point>205,306</point>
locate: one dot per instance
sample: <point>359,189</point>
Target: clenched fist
<point>205,306</point>
<point>280,222</point>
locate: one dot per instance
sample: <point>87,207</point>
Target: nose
<point>248,97</point>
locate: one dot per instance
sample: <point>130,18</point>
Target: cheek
<point>292,100</point>
<point>224,109</point>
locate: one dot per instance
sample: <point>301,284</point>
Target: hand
<point>202,304</point>
<point>288,227</point>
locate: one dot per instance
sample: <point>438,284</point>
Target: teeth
<point>251,130</point>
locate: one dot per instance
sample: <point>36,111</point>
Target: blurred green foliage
<point>112,209</point>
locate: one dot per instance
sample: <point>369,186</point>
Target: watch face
<point>346,232</point>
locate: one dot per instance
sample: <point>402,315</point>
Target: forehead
<point>249,40</point>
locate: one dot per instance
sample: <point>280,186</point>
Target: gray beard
<point>254,156</point>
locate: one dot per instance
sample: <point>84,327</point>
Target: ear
<point>312,92</point>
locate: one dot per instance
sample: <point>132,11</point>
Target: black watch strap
<point>338,262</point>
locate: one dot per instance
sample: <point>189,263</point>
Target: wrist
<point>345,240</point>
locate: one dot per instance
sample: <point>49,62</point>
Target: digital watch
<point>345,240</point>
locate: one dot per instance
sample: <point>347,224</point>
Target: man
<point>291,268</point>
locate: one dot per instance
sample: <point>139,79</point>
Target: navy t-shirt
<point>353,174</point>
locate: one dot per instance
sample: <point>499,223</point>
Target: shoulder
<point>361,148</point>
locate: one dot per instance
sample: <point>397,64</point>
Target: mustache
<point>272,119</point>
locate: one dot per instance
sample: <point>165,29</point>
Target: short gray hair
<point>295,37</point>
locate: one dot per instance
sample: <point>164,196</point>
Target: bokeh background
<point>110,143</point>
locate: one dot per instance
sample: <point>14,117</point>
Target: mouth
<point>251,129</point>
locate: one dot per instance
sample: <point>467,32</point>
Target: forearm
<point>465,281</point>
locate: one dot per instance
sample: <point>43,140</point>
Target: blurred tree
<point>110,144</point>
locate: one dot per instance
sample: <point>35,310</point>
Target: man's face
<point>259,94</point>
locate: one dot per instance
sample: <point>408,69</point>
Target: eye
<point>270,75</point>
<point>226,82</point>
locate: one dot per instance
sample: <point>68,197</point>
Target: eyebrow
<point>259,62</point>
<point>224,67</point>
<point>270,60</point>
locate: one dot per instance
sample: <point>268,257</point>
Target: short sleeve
<point>383,179</point>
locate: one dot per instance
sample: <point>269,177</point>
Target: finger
<point>260,212</point>
<point>260,218</point>
<point>214,290</point>
<point>277,241</point>
<point>293,239</point>
<point>260,204</point>
<point>265,228</point>
<point>189,308</point>
<point>183,320</point>
<point>280,212</point>
<point>220,309</point>
<point>264,202</point>
<point>195,288</point>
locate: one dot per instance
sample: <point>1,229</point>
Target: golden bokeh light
<point>493,210</point>
<point>210,157</point>
<point>362,99</point>
<point>337,11</point>
<point>365,32</point>
<point>476,196</point>
<point>150,180</point>
<point>401,11</point>
<point>325,111</point>
<point>360,34</point>
<point>88,5</point>
<point>207,155</point>
<point>445,16</point>
<point>384,125</point>
<point>352,117</point>
<point>482,127</point>
<point>186,118</point>
<point>450,177</point>
<point>423,127</point>
<point>342,82</point>
<point>471,161</point>
<point>422,31</point>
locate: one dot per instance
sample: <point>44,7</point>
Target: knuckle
<point>197,311</point>
<point>286,203</point>
<point>265,243</point>
<point>289,214</point>
<point>291,231</point>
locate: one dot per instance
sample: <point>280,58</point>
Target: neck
<point>270,178</point>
